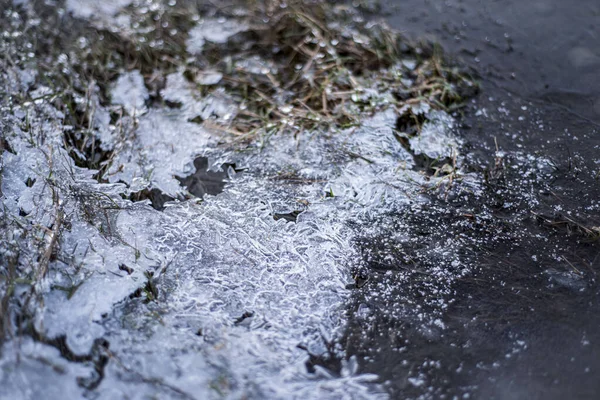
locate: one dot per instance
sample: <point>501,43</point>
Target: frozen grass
<point>301,66</point>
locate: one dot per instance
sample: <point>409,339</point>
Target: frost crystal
<point>214,31</point>
<point>129,91</point>
<point>225,296</point>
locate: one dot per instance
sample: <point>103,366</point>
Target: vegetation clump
<point>293,65</point>
<point>322,65</point>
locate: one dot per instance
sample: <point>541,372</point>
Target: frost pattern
<point>130,92</point>
<point>214,31</point>
<point>235,291</point>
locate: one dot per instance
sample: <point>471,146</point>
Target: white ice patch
<point>238,291</point>
<point>228,258</point>
<point>130,92</point>
<point>435,139</point>
<point>30,371</point>
<point>161,147</point>
<point>209,78</point>
<point>165,143</point>
<point>103,10</point>
<point>103,284</point>
<point>421,108</point>
<point>214,31</point>
<point>216,105</point>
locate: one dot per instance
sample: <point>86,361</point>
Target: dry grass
<point>323,67</point>
<point>320,62</point>
<point>573,227</point>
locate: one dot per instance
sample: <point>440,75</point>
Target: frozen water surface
<point>237,299</point>
<point>237,291</point>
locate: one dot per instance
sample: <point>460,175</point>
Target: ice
<point>206,299</point>
<point>210,78</point>
<point>567,279</point>
<point>215,262</point>
<point>100,119</point>
<point>96,9</point>
<point>229,257</point>
<point>214,31</point>
<point>434,140</point>
<point>182,92</point>
<point>27,368</point>
<point>101,286</point>
<point>164,143</point>
<point>129,91</point>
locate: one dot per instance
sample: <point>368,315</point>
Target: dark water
<point>539,49</point>
<point>526,323</point>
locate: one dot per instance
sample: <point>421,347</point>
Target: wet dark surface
<point>524,323</point>
<point>540,49</point>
